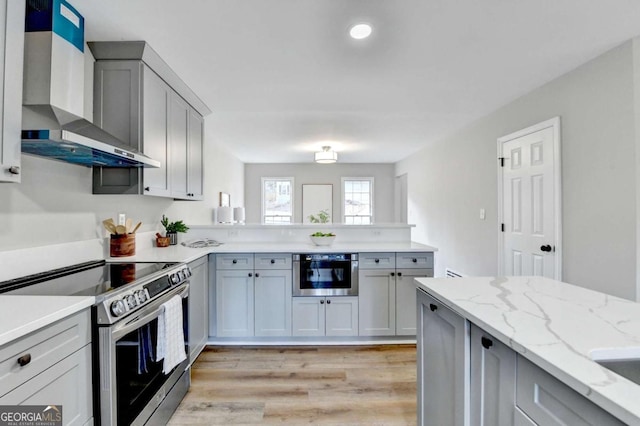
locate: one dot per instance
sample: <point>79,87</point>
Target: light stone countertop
<point>21,315</point>
<point>180,253</point>
<point>556,326</point>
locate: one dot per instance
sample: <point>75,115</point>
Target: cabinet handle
<point>14,170</point>
<point>328,301</point>
<point>432,307</point>
<point>273,261</point>
<point>146,188</point>
<point>234,261</point>
<point>24,360</point>
<point>486,343</point>
<point>250,274</point>
<point>392,274</point>
<point>399,274</point>
<point>377,260</point>
<point>322,302</point>
<point>257,275</point>
<point>414,260</point>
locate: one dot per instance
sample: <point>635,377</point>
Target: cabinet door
<point>178,134</point>
<point>156,94</point>
<point>308,316</point>
<point>198,306</point>
<point>406,299</point>
<point>67,383</point>
<point>377,302</point>
<point>548,401</point>
<point>443,364</point>
<point>234,303</point>
<point>341,316</point>
<point>273,303</point>
<point>493,380</point>
<point>11,65</point>
<point>117,105</point>
<point>195,156</point>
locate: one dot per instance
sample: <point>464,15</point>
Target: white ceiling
<point>283,78</point>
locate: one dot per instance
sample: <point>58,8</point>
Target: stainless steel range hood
<point>53,93</point>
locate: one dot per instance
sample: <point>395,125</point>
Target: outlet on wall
<point>122,218</point>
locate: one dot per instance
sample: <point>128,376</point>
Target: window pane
<point>358,201</point>
<point>277,196</point>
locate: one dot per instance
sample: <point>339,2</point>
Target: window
<point>277,200</point>
<point>357,201</point>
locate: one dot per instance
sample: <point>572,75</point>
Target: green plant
<point>323,234</point>
<point>177,226</point>
<point>322,217</point>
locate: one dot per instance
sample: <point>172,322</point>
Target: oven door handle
<point>151,312</point>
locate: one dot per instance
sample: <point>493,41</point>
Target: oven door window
<point>138,375</point>
<point>320,274</point>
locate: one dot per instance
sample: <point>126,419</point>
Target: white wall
<point>450,180</point>
<point>383,175</point>
<point>54,203</point>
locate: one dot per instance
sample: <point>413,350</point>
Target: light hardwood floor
<point>338,385</point>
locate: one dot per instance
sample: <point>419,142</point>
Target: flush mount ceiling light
<point>360,31</point>
<point>326,156</point>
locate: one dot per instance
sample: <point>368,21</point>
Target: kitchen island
<point>557,327</point>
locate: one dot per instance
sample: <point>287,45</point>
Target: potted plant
<point>172,229</point>
<point>322,217</point>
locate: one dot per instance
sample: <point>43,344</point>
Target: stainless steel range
<point>129,384</point>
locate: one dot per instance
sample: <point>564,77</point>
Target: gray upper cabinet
<point>11,64</point>
<point>140,100</point>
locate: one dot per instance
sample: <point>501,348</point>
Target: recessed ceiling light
<point>360,31</point>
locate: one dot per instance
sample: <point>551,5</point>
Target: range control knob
<point>187,272</point>
<point>142,296</point>
<point>131,301</point>
<point>175,279</point>
<point>118,308</point>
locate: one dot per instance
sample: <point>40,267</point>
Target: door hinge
<point>502,227</point>
<point>501,161</point>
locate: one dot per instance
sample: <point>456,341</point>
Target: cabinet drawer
<point>414,260</point>
<point>548,401</point>
<point>377,260</point>
<point>272,261</point>
<point>46,347</point>
<point>234,261</point>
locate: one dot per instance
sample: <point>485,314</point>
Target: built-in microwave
<point>325,274</point>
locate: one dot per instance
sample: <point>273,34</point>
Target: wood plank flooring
<point>332,385</point>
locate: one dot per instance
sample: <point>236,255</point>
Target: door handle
<point>546,248</point>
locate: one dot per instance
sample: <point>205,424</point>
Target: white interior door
<point>401,200</point>
<point>529,182</point>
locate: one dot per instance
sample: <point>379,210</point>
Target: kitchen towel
<point>145,348</point>
<point>170,335</point>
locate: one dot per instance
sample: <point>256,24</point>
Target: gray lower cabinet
<point>545,400</point>
<point>11,67</point>
<point>325,316</point>
<point>377,302</point>
<point>406,299</point>
<point>198,306</point>
<point>272,307</point>
<point>493,373</point>
<point>443,364</point>
<point>58,371</point>
<point>234,303</point>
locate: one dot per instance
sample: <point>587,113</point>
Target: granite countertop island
<point>557,326</point>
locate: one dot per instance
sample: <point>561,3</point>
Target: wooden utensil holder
<point>122,245</point>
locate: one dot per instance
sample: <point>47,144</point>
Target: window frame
<point>371,198</point>
<point>262,199</point>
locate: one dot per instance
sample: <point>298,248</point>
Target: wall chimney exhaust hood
<point>53,93</point>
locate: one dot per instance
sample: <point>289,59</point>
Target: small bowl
<point>322,241</point>
<point>163,241</point>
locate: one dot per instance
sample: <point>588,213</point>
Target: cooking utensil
<point>128,224</point>
<point>121,230</point>
<point>109,225</point>
<point>136,228</point>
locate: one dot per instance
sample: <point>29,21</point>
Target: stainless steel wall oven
<point>325,274</point>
